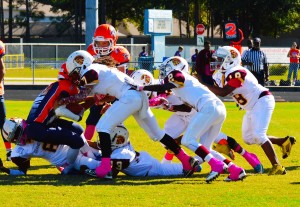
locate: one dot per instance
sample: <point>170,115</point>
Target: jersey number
<point>240,99</point>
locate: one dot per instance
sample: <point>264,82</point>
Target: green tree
<point>259,17</point>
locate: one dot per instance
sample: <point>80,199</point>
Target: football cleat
<point>92,173</point>
<point>259,169</point>
<point>236,173</point>
<point>277,170</point>
<point>194,165</point>
<point>212,176</point>
<point>253,160</point>
<point>287,146</point>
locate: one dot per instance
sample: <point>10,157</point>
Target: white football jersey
<point>247,89</point>
<point>135,167</point>
<point>111,81</point>
<point>130,162</point>
<point>189,89</point>
<point>55,154</point>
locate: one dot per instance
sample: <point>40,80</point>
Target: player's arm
<point>174,79</point>
<point>63,111</point>
<point>182,108</point>
<point>159,87</point>
<point>22,163</point>
<point>234,80</point>
<point>2,69</point>
<point>65,98</point>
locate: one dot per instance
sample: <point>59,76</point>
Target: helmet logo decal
<point>120,139</point>
<point>233,54</point>
<point>79,59</point>
<point>146,78</point>
<point>175,61</point>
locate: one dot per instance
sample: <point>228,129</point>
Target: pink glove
<point>158,101</point>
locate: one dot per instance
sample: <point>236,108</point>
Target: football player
<point>25,149</point>
<point>44,122</point>
<point>105,80</point>
<point>130,162</point>
<point>256,100</point>
<point>178,123</point>
<point>104,50</point>
<point>206,118</point>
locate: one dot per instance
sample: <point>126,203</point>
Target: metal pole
<point>91,16</point>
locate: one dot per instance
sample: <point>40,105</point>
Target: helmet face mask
<point>12,131</point>
<point>226,58</point>
<point>102,46</point>
<point>76,62</point>
<point>105,37</point>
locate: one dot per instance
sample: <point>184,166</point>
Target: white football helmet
<point>143,78</point>
<point>173,63</point>
<point>78,60</point>
<point>119,137</point>
<point>13,129</point>
<point>226,57</point>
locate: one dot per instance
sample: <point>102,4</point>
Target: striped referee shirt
<point>257,57</point>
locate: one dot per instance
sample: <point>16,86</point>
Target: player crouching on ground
<point>14,131</point>
<point>130,162</point>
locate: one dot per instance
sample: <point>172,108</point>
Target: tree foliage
<point>255,17</point>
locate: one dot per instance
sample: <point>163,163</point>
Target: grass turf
<point>43,186</point>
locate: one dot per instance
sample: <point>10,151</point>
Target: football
<point>75,108</point>
<point>2,48</point>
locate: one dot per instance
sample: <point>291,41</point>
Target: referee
<point>257,62</point>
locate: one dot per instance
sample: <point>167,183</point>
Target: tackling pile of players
<point>96,79</point>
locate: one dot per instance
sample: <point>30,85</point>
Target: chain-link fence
<point>40,72</point>
<point>40,62</point>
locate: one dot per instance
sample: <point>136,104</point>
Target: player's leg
<point>221,145</point>
<point>285,144</point>
<point>164,169</point>
<point>85,161</point>
<point>150,125</point>
<point>174,127</point>
<point>260,118</point>
<point>251,158</point>
<point>206,117</point>
<point>118,112</point>
<point>91,121</point>
<point>235,172</point>
<point>7,144</point>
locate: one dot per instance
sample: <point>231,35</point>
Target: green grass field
<point>43,186</point>
<point>47,75</point>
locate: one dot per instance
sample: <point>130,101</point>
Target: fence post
<point>33,69</point>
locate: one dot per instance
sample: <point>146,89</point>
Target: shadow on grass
<point>79,180</point>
